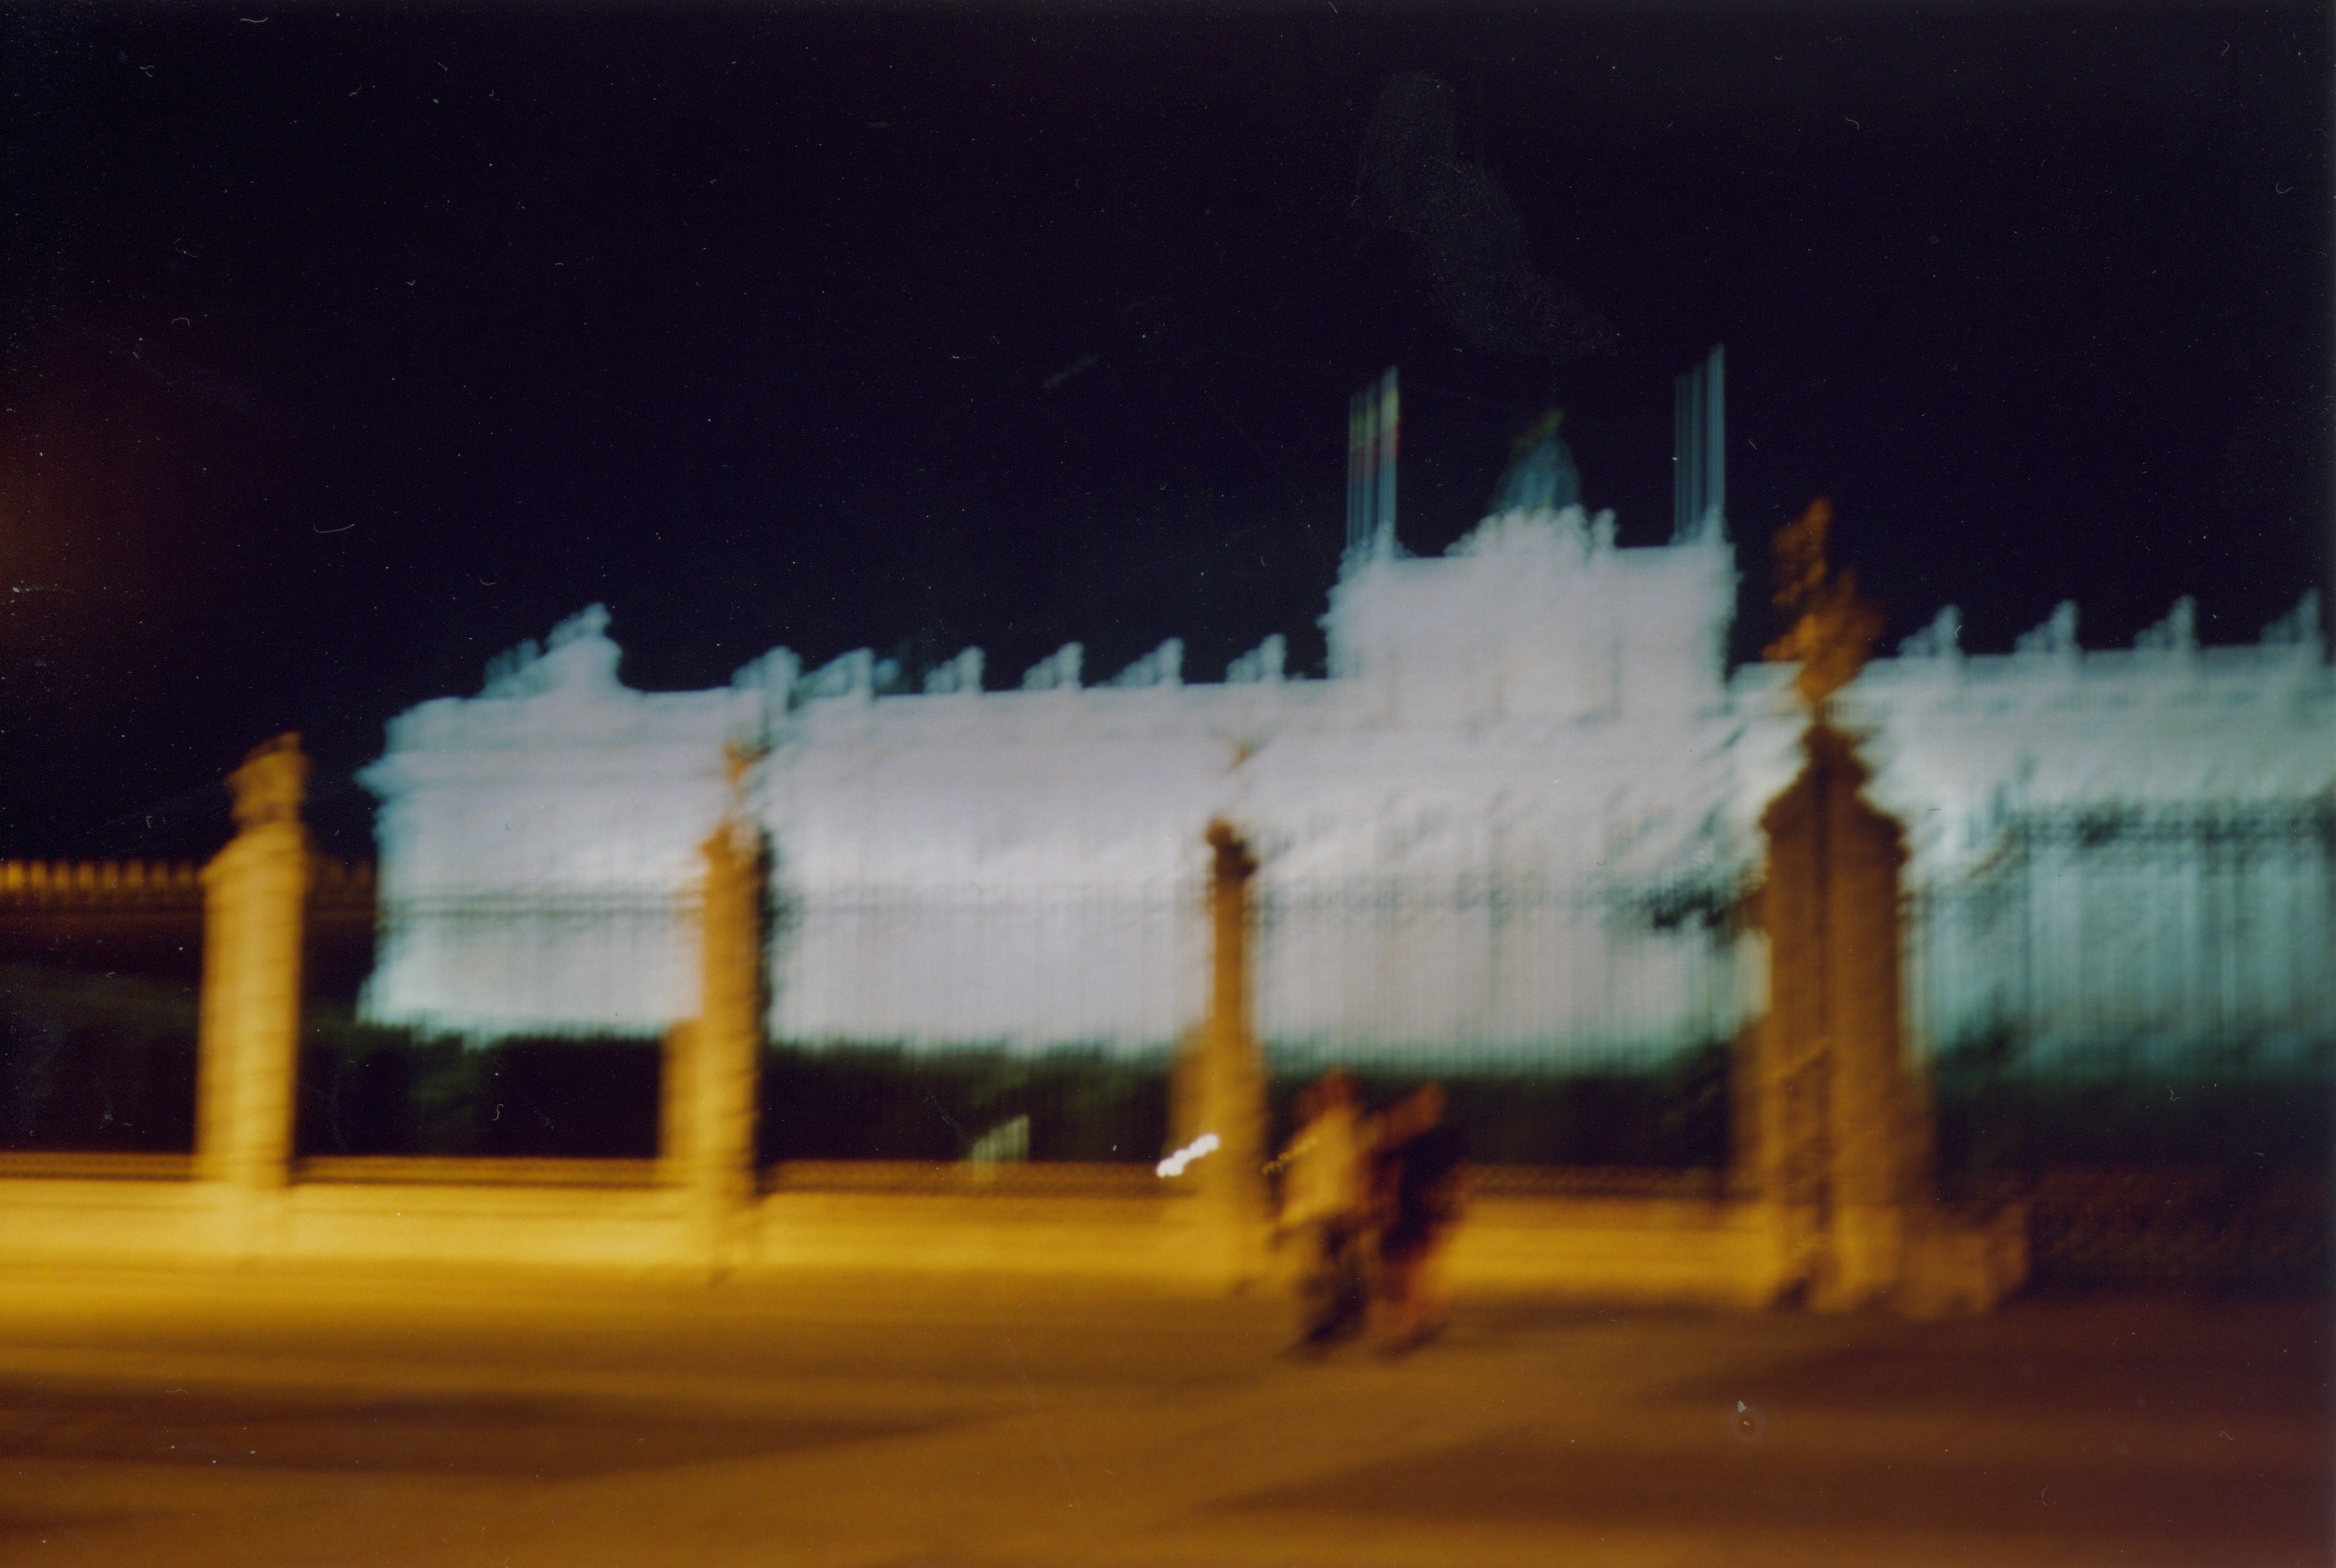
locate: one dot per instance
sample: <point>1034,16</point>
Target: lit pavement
<point>340,1419</point>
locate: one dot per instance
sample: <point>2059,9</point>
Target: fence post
<point>712,1063</point>
<point>1787,1116</point>
<point>1231,1090</point>
<point>1842,1148</point>
<point>248,1032</point>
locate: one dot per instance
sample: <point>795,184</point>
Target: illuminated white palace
<point>1510,825</point>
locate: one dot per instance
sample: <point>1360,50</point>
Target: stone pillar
<point>1225,1081</point>
<point>1842,1148</point>
<point>712,1064</point>
<point>1789,1148</point>
<point>248,1035</point>
<point>1748,947</point>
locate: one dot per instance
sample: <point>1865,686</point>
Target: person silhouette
<point>1422,1171</point>
<point>1323,1204</point>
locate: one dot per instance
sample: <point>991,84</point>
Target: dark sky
<point>346,349</point>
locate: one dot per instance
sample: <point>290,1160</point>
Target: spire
<point>1372,421</point>
<point>1700,450</point>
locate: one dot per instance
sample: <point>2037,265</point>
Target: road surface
<point>336,1418</point>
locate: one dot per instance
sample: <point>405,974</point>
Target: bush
<point>367,1091</point>
<point>95,1063</point>
<point>880,1103</point>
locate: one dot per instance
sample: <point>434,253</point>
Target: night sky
<point>343,349</point>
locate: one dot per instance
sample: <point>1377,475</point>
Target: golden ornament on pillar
<point>1834,628</point>
<point>271,784</point>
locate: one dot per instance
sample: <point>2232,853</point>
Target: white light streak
<point>1173,1166</point>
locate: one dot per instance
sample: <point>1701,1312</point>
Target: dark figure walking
<point>1323,1208</point>
<point>1423,1174</point>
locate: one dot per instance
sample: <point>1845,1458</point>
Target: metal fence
<point>484,964</point>
<point>2104,942</point>
<point>1570,1021</point>
<point>1574,1020</point>
<point>1117,969</point>
<point>1486,972</point>
<point>1505,975</point>
<point>2132,1019</point>
<point>2171,1227</point>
